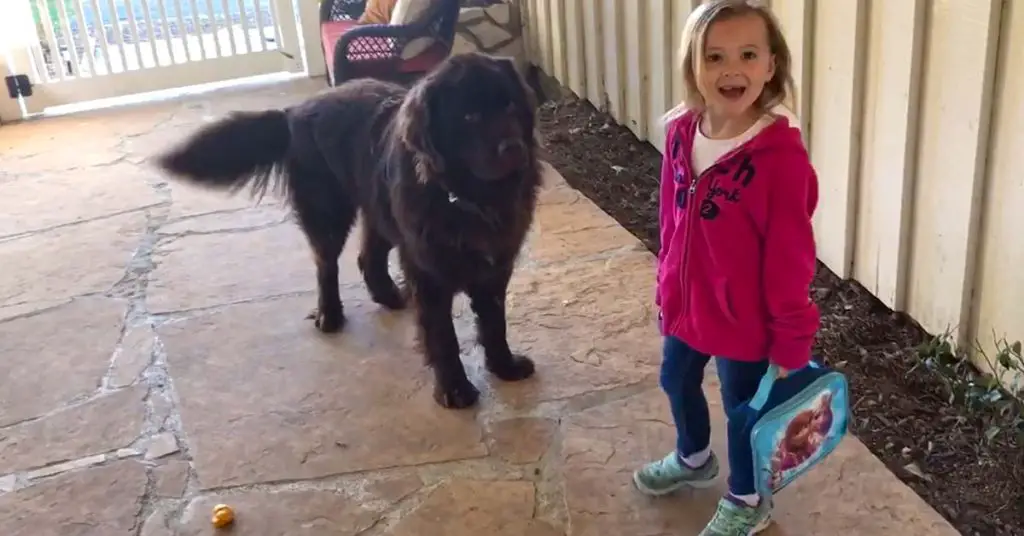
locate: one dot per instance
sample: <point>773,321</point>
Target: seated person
<point>378,12</point>
<point>398,12</point>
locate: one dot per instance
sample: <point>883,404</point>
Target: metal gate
<point>84,50</point>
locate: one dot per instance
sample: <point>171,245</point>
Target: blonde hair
<point>778,90</point>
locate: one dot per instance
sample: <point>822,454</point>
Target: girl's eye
<point>713,58</point>
<point>749,55</point>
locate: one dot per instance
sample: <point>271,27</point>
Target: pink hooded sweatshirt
<point>737,250</point>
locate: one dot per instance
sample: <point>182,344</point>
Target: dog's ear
<point>509,69</point>
<point>413,126</point>
<point>526,98</point>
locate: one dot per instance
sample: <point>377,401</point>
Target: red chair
<point>353,50</point>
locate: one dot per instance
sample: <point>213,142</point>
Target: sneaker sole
<point>693,484</point>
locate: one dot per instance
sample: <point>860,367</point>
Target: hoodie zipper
<point>693,211</point>
<point>690,209</point>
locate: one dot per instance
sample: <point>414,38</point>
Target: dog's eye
<point>472,118</point>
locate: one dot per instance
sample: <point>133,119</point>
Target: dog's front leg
<point>452,389</point>
<point>487,298</point>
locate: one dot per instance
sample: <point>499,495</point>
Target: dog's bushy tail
<point>245,148</point>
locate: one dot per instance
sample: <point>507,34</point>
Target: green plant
<point>984,394</point>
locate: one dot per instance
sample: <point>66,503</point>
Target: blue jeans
<point>682,377</point>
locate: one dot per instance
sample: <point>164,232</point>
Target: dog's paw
<point>459,396</point>
<point>513,369</point>
<point>392,298</point>
<point>327,322</point>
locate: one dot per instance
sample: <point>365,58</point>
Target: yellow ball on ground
<point>223,516</point>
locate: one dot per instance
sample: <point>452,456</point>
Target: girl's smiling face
<point>736,64</point>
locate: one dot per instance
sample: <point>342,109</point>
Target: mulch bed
<point>901,411</point>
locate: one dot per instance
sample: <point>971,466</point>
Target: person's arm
<point>790,262</point>
<point>666,204</point>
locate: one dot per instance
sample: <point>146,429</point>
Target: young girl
<point>737,246</point>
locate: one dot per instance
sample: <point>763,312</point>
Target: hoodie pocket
<point>722,297</point>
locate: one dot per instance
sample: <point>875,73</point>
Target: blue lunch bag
<point>794,423</point>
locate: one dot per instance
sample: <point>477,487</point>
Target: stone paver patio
<point>155,360</point>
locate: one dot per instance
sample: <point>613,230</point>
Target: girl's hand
<point>783,373</point>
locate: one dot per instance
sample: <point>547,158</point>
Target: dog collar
<point>468,206</point>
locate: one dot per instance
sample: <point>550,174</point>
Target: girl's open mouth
<point>732,92</point>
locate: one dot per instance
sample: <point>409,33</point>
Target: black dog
<point>446,171</point>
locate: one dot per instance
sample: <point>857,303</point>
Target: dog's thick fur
<point>446,171</point>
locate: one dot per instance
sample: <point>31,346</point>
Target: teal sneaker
<point>736,518</point>
<point>669,474</point>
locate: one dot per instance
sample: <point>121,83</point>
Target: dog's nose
<point>512,147</point>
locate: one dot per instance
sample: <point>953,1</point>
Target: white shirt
<point>707,151</point>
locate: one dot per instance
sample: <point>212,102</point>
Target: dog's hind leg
<point>329,315</point>
<point>487,299</point>
<point>326,218</point>
<point>373,263</point>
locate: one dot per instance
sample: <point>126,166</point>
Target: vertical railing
<point>89,38</point>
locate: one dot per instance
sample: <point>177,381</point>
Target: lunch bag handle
<point>767,381</point>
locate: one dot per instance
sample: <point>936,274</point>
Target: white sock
<point>751,500</point>
<point>697,459</point>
